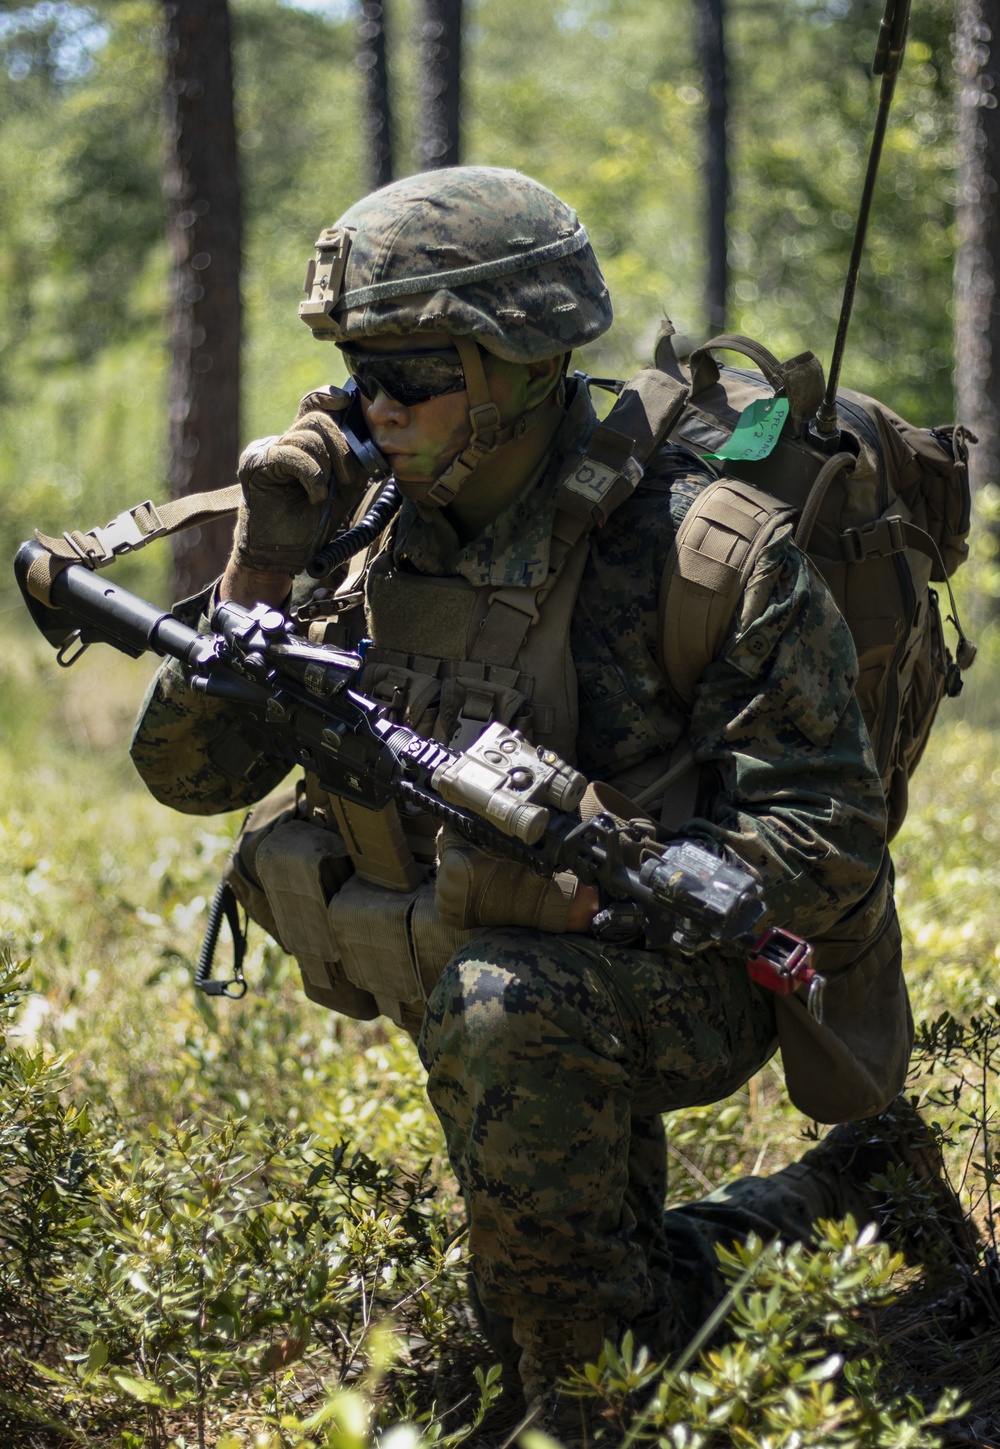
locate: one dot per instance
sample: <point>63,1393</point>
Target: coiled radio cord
<point>346,544</point>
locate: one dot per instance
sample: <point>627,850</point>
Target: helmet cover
<point>471,251</point>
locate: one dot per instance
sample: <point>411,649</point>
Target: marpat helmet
<point>474,251</point>
<point>486,255</point>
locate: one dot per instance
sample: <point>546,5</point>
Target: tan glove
<point>286,482</point>
<point>475,889</point>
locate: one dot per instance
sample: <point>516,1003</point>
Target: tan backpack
<point>883,519</point>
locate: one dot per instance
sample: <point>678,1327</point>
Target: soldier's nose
<point>385,409</point>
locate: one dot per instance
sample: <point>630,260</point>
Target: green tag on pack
<point>756,432</point>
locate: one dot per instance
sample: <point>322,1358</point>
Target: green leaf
<point>96,1359</point>
<point>148,1392</point>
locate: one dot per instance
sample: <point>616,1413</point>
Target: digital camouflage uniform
<point>551,1057</point>
<point>542,1049</point>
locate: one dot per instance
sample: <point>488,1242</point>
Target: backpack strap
<point>885,536</point>
<point>597,482</point>
<point>715,548</point>
<point>513,611</point>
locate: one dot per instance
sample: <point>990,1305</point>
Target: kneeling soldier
<point>522,581</point>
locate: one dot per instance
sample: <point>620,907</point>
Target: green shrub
<point>800,1364</point>
<point>236,1219</point>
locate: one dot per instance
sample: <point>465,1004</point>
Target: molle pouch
<point>448,700</point>
<point>473,888</point>
<point>240,871</point>
<point>363,949</point>
<point>393,945</point>
<point>300,866</point>
<point>413,698</point>
<point>476,697</point>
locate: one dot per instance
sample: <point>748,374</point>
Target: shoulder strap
<point>513,611</point>
<point>714,551</point>
<point>597,482</point>
<point>592,487</point>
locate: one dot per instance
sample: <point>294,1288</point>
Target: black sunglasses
<point>408,378</point>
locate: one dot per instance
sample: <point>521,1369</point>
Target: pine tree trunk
<point>711,40</point>
<point>977,270</point>
<point>440,44</point>
<point>377,112</point>
<point>201,186</point>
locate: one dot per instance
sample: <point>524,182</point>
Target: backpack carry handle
<point>800,379</point>
<point>705,369</point>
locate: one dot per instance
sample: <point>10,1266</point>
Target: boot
<point>550,1348</point>
<point>498,1331</point>
<point>890,1167</point>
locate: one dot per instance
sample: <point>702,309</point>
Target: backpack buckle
<point>854,549</point>
<point>879,540</point>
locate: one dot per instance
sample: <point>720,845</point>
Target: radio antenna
<point>887,63</point>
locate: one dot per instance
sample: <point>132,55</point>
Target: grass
<point>249,1229</point>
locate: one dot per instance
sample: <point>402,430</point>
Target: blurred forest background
<point>220,1222</point>
<point>603,100</point>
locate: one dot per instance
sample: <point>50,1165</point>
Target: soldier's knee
<point>513,993</point>
<point>468,1004</point>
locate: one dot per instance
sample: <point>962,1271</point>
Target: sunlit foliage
<point>238,1221</point>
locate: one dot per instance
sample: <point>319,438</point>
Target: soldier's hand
<point>287,482</point>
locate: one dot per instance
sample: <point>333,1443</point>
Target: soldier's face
<point>422,439</point>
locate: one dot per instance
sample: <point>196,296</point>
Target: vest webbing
<point>513,611</point>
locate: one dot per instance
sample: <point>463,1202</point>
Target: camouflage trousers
<point>549,1061</point>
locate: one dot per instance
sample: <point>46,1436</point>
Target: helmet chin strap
<point>484,416</point>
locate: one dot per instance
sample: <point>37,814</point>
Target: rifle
<point>503,794</point>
